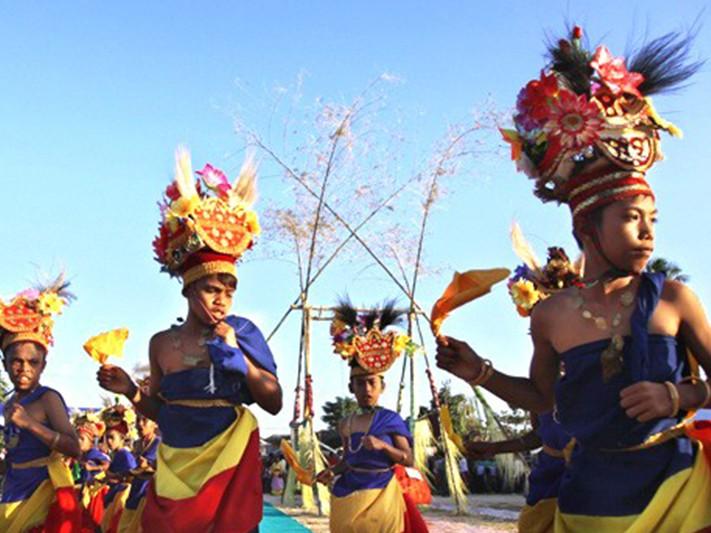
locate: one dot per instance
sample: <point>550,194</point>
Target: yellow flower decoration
<point>525,294</point>
<point>106,344</point>
<point>400,343</point>
<point>182,207</point>
<point>252,222</point>
<point>50,303</point>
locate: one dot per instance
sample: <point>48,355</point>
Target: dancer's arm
<point>648,400</point>
<point>535,393</point>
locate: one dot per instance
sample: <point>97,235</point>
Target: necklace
<point>350,432</point>
<point>612,357</point>
<point>191,359</point>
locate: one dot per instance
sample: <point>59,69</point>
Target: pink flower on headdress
<point>533,102</point>
<point>29,294</point>
<point>614,74</point>
<point>574,121</point>
<point>215,180</point>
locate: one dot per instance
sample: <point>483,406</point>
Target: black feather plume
<point>665,63</point>
<point>390,315</point>
<point>345,312</point>
<point>572,63</point>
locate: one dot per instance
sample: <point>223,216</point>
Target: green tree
<point>337,410</point>
<point>672,270</point>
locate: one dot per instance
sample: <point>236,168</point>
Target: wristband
<point>55,440</point>
<point>674,396</point>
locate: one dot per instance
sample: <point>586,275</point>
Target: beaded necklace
<point>612,357</point>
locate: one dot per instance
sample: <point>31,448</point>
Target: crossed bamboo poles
<point>408,288</point>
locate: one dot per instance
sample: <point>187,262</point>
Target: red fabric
<point>700,430</point>
<point>114,524</point>
<point>414,523</point>
<point>229,502</point>
<point>205,256</point>
<point>94,512</point>
<point>64,514</point>
<point>417,489</point>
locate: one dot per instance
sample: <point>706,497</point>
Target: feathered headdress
<point>369,340</point>
<point>531,282</point>
<point>206,224</point>
<point>90,424</point>
<point>586,130</point>
<point>29,316</point>
<point>120,418</point>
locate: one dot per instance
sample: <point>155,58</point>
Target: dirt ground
<point>488,513</point>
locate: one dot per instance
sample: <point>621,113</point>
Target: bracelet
<point>485,373</point>
<point>136,396</point>
<point>707,389</point>
<point>55,440</point>
<point>674,396</point>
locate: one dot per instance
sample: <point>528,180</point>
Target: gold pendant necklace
<point>612,357</point>
<point>190,359</point>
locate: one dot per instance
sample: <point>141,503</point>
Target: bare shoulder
<point>161,339</point>
<point>677,292</point>
<point>547,311</point>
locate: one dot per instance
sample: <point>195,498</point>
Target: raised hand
<point>456,357</point>
<point>226,333</point>
<point>17,414</point>
<point>115,379</point>
<point>372,443</point>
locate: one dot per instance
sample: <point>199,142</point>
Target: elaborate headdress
<point>29,316</point>
<point>361,337</point>
<point>586,131</point>
<point>206,224</point>
<point>90,424</point>
<point>120,418</point>
<point>531,282</point>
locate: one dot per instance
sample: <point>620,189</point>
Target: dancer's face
<point>114,440</point>
<point>146,427</point>
<point>626,232</point>
<point>24,362</point>
<point>367,389</point>
<point>210,298</point>
<point>85,442</point>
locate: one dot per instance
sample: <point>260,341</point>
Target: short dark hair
<point>588,222</point>
<point>10,349</point>
<point>226,279</point>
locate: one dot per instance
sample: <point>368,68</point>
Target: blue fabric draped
<point>544,479</point>
<point>20,483</point>
<point>122,463</point>
<point>186,427</point>
<point>601,479</point>
<point>138,485</point>
<point>385,425</point>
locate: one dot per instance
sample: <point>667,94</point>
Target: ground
<point>488,513</point>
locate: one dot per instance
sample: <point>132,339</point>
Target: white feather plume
<point>184,173</point>
<point>244,189</point>
<point>522,248</point>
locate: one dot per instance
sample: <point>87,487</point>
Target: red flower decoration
<point>614,74</point>
<point>160,244</point>
<point>172,191</point>
<point>533,103</point>
<point>574,121</point>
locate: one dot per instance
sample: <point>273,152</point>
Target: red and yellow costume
<point>369,496</point>
<point>587,134</point>
<point>38,490</point>
<point>208,471</point>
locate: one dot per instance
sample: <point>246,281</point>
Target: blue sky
<point>95,97</point>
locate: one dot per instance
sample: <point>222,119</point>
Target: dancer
<point>146,453</point>
<point>204,372</point>
<point>38,490</point>
<point>119,421</point>
<point>366,495</point>
<point>93,464</point>
<point>587,133</point>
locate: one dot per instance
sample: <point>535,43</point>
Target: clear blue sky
<point>95,97</point>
